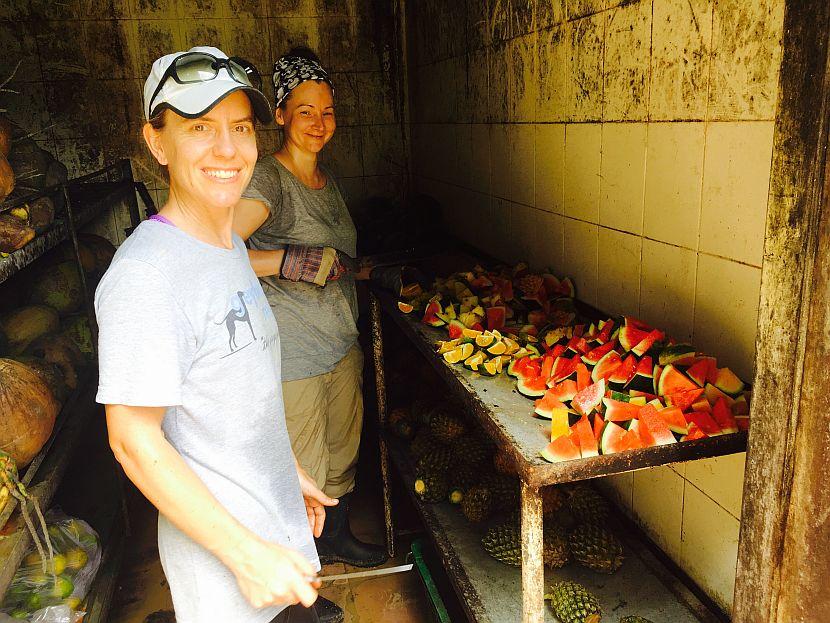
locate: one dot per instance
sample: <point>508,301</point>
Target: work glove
<point>317,265</point>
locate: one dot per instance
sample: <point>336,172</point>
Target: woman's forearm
<point>266,263</point>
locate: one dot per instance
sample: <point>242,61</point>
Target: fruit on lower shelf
<point>572,603</point>
<point>477,504</point>
<point>432,486</point>
<point>596,548</point>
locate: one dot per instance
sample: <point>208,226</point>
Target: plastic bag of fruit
<point>41,586</point>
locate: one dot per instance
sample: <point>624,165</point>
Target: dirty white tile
<point>583,144</point>
<point>524,87</point>
<point>626,64</point>
<point>500,160</point>
<point>553,70</point>
<point>620,489</point>
<point>735,189</point>
<point>622,179</point>
<point>550,167</point>
<point>585,95</point>
<point>521,163</point>
<point>658,504</point>
<point>551,242</point>
<point>709,550</point>
<point>499,81</point>
<point>480,164</point>
<point>721,478</point>
<point>726,312</point>
<point>674,174</point>
<point>667,288</point>
<point>618,275</point>
<point>581,249</point>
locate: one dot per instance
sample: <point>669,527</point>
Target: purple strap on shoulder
<point>161,219</point>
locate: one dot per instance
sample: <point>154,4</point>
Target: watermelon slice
<point>587,441</point>
<point>525,367</point>
<point>742,421</point>
<point>722,415</point>
<point>559,425</point>
<point>713,393</point>
<point>684,399</point>
<point>701,404</point>
<point>605,333</point>
<point>547,365</point>
<point>496,317</point>
<point>658,370</point>
<point>630,336</point>
<point>644,345</point>
<point>566,288</point>
<point>694,433</point>
<point>455,329</point>
<point>677,354</point>
<point>704,422</point>
<point>651,424</point>
<point>612,438</point>
<point>673,381</point>
<point>547,406</point>
<point>564,391</point>
<point>631,321</point>
<point>643,433</point>
<point>636,393</point>
<point>568,370</point>
<point>740,406</point>
<point>599,425</point>
<point>550,283</point>
<point>728,382</point>
<point>623,374</point>
<point>606,366</point>
<point>532,387</point>
<point>631,441</point>
<point>583,377</point>
<point>673,417</point>
<point>557,350</point>
<point>617,411</point>
<point>699,371</point>
<point>589,398</point>
<point>431,315</point>
<point>592,357</point>
<point>561,449</point>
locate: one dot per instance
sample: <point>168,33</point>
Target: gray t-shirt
<point>318,325</point>
<point>185,325</point>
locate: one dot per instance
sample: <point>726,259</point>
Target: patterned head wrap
<point>291,71</point>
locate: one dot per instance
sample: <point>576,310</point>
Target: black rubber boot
<point>338,544</point>
<point>328,611</point>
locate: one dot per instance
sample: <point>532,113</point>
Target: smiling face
<point>308,116</point>
<point>210,159</point>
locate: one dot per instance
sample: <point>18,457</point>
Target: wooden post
<point>784,549</point>
<point>533,570</point>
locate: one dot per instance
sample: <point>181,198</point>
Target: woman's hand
<point>315,502</point>
<point>269,574</point>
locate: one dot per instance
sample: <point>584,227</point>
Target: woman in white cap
<point>189,357</point>
<point>294,200</point>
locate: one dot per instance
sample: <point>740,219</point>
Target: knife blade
<point>365,574</point>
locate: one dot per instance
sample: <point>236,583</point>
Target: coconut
<point>65,252</point>
<point>29,410</point>
<point>102,248</point>
<point>14,232</point>
<point>76,328</point>
<point>28,323</point>
<point>59,287</point>
<point>61,351</point>
<point>50,373</point>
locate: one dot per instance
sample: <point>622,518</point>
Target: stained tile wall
<point>627,144</point>
<point>82,64</point>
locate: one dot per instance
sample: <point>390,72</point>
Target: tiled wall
<point>627,144</point>
<point>83,65</point>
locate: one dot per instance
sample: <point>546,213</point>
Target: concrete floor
<point>144,597</point>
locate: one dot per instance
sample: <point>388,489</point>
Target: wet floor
<point>144,597</point>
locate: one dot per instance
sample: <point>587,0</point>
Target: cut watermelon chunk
<point>617,411</point>
<point>566,288</point>
<point>532,387</point>
<point>685,399</point>
<point>631,441</point>
<point>525,367</point>
<point>740,406</point>
<point>583,377</point>
<point>606,366</point>
<point>654,426</point>
<point>562,449</point>
<point>644,345</point>
<point>564,391</point>
<point>629,337</point>
<point>599,424</point>
<point>704,422</point>
<point>612,438</point>
<point>728,382</point>
<point>559,424</point>
<point>567,371</point>
<point>557,350</point>
<point>702,404</point>
<point>547,405</point>
<point>722,415</point>
<point>742,421</point>
<point>455,329</point>
<point>673,417</point>
<point>496,317</point>
<point>587,441</point>
<point>677,354</point>
<point>636,393</point>
<point>643,433</point>
<point>547,365</point>
<point>699,371</point>
<point>624,373</point>
<point>631,321</point>
<point>592,357</point>
<point>658,370</point>
<point>713,393</point>
<point>673,381</point>
<point>605,333</point>
<point>589,398</point>
<point>694,433</point>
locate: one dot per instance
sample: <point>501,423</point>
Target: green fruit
<point>33,602</point>
<point>437,459</point>
<point>76,558</point>
<point>504,543</point>
<point>62,587</point>
<point>477,504</point>
<point>588,506</point>
<point>596,548</point>
<point>445,427</point>
<point>572,603</point>
<point>22,615</point>
<point>60,288</point>
<point>432,486</point>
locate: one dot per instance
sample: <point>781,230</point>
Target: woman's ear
<point>279,117</point>
<point>153,139</point>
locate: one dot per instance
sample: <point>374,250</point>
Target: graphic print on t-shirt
<point>237,313</point>
<point>242,320</point>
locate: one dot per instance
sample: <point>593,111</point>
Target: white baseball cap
<point>194,99</point>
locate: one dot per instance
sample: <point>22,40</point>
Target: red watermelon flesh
<point>496,317</point>
<point>694,433</point>
<point>583,377</point>
<point>673,417</point>
<point>616,411</point>
<point>557,350</point>
<point>561,449</point>
<point>704,422</point>
<point>592,357</point>
<point>712,376</point>
<point>606,366</point>
<point>685,399</point>
<point>455,329</point>
<point>645,366</point>
<point>579,330</point>
<point>722,414</point>
<point>702,405</point>
<point>532,387</point>
<point>589,398</point>
<point>567,370</point>
<point>477,326</point>
<point>480,283</point>
<point>631,321</point>
<point>673,381</point>
<point>713,393</point>
<point>740,406</point>
<point>566,288</point>
<point>504,287</point>
<point>742,422</point>
<point>550,283</point>
<point>635,393</point>
<point>643,346</point>
<point>547,365</point>
<point>605,335</point>
<point>629,337</point>
<point>651,424</point>
<point>643,433</point>
<point>599,424</point>
<point>625,372</point>
<point>587,441</point>
<point>547,406</point>
<point>699,371</point>
<point>631,441</point>
<point>527,367</point>
<point>564,391</point>
<point>611,440</point>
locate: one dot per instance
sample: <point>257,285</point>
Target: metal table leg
<point>380,388</point>
<point>533,570</point>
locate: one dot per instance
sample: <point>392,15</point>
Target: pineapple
<point>504,543</point>
<point>431,486</point>
<point>634,619</point>
<point>422,411</point>
<point>552,500</point>
<point>556,551</point>
<point>504,491</point>
<point>471,449</point>
<point>572,603</point>
<point>596,548</point>
<point>463,476</point>
<point>423,442</point>
<point>477,505</point>
<point>436,459</point>
<point>588,506</point>
<point>445,427</point>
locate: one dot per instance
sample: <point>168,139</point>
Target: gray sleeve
<point>145,342</point>
<point>265,186</point>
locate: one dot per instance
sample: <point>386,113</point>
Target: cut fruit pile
<point>621,385</point>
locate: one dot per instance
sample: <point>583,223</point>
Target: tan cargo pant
<point>324,415</point>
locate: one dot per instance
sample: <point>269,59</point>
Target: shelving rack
<point>506,417</point>
<point>85,199</point>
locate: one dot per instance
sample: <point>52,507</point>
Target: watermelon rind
<point>728,382</point>
<point>561,449</point>
<point>617,411</point>
<point>712,394</point>
<point>533,387</point>
<point>609,441</point>
<point>606,366</point>
<point>673,381</point>
<point>676,352</point>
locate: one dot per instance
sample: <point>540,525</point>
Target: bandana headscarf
<point>291,71</point>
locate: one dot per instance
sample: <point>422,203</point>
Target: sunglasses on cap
<point>193,67</point>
